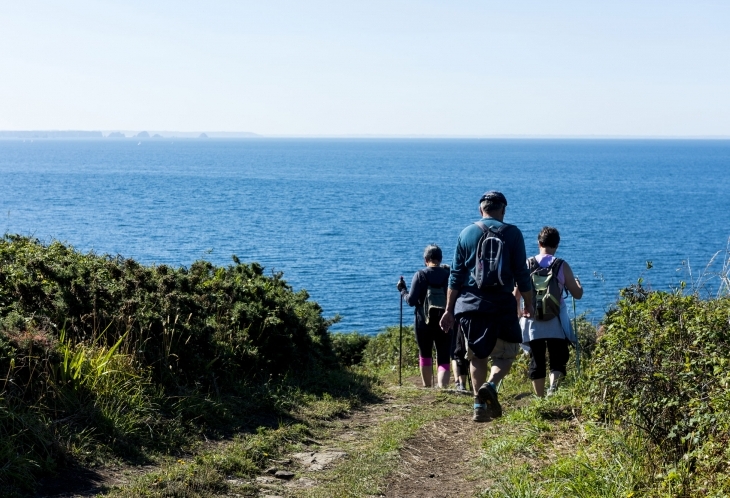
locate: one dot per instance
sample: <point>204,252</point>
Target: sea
<point>345,218</point>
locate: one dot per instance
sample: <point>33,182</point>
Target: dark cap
<point>493,196</point>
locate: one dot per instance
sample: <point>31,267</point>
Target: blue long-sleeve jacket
<point>464,262</point>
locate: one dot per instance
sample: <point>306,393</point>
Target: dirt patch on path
<point>438,461</point>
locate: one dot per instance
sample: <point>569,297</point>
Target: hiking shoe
<point>480,411</point>
<point>460,389</point>
<point>488,394</point>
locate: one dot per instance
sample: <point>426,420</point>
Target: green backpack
<point>434,304</point>
<point>547,289</point>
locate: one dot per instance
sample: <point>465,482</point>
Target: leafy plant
<point>383,349</point>
<point>104,357</point>
<point>661,368</point>
<point>349,347</point>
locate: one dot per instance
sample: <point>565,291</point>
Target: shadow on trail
<point>74,481</point>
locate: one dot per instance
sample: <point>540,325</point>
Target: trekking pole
<point>400,337</point>
<point>577,342</point>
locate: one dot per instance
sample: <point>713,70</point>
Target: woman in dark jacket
<point>435,278</point>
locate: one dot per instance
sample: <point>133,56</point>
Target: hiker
<point>459,363</point>
<point>428,296</point>
<point>549,329</point>
<point>489,259</point>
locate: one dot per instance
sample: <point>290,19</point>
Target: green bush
<point>199,326</point>
<point>104,357</point>
<point>349,347</point>
<point>587,336</point>
<point>382,349</point>
<point>661,367</point>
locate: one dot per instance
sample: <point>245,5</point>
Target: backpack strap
<point>499,230</point>
<point>555,266</point>
<point>424,278</point>
<point>429,280</point>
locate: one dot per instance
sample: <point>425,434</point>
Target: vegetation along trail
<point>125,380</point>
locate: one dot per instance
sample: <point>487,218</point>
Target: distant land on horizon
<point>157,135</point>
<point>124,134</point>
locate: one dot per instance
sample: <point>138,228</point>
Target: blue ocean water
<point>345,218</point>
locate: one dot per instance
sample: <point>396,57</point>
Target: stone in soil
<point>318,460</point>
<point>284,474</point>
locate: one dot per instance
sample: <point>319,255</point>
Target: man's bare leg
<point>500,369</point>
<point>479,369</point>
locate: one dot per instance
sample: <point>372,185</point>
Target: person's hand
<point>447,321</point>
<point>401,286</point>
<point>528,311</point>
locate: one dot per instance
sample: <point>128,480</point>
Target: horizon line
<point>253,135</point>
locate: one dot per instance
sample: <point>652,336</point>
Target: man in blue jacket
<point>487,318</point>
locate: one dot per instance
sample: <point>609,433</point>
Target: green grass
<point>539,450</point>
<point>208,472</point>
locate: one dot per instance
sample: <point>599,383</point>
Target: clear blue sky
<point>393,67</point>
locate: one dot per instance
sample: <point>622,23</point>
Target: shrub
<point>382,349</point>
<point>661,367</point>
<point>587,336</point>
<point>349,347</point>
<point>203,326</point>
<point>104,356</point>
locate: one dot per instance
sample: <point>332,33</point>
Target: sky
<point>383,68</point>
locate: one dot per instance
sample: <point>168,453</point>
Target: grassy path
<point>412,442</point>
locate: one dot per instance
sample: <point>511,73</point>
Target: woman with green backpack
<point>549,329</point>
<point>428,296</point>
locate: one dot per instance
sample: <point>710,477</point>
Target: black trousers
<point>559,355</point>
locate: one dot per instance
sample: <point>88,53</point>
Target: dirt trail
<point>438,462</point>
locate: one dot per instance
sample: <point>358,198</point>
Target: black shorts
<point>429,335</point>
<point>481,330</point>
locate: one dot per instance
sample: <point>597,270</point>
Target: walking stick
<point>577,342</point>
<point>400,338</point>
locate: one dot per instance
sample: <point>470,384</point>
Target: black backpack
<point>547,288</point>
<point>492,267</point>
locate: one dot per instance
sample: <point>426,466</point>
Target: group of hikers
<point>489,305</point>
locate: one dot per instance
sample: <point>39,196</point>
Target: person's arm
<point>457,278</point>
<point>522,273</point>
<point>518,295</point>
<point>447,319</point>
<point>528,310</point>
<point>416,288</point>
<point>571,281</point>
